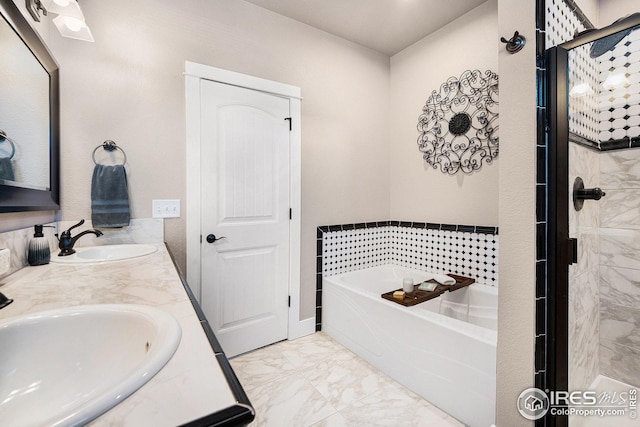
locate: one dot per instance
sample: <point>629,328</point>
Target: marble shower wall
<point>620,265</point>
<point>584,276</point>
<point>604,294</point>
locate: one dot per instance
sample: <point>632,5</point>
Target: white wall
<point>605,12</point>
<point>419,192</point>
<point>612,10</point>
<point>591,9</point>
<point>128,86</point>
<point>516,304</point>
<point>481,198</point>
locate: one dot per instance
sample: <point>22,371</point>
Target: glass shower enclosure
<point>593,309</point>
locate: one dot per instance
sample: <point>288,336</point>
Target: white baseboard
<point>301,328</point>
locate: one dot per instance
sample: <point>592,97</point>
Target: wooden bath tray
<point>418,296</point>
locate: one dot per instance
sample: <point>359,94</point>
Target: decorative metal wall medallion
<point>459,123</point>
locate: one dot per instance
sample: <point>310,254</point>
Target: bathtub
<point>443,349</point>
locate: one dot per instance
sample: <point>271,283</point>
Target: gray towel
<point>109,197</point>
<point>6,169</point>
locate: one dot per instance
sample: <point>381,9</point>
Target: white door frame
<point>194,73</point>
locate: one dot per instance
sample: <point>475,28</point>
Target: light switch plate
<point>5,261</point>
<point>166,208</point>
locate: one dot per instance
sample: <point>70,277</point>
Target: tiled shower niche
<point>470,251</point>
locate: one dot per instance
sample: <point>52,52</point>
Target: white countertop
<point>190,386</point>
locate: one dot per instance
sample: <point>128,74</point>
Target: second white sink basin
<point>105,253</point>
<point>65,367</point>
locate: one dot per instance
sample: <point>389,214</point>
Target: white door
<point>245,205</point>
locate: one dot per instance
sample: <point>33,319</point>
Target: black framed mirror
<point>29,92</point>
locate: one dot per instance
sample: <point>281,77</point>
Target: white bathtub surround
<point>190,386</point>
<point>315,381</point>
<point>466,250</point>
<point>443,349</point>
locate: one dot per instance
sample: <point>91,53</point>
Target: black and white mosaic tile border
<point>467,250</point>
<point>469,254</point>
<point>619,109</point>
<point>562,24</point>
<point>543,8</point>
<point>607,119</point>
<point>563,18</point>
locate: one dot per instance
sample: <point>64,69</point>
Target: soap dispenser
<point>39,251</point>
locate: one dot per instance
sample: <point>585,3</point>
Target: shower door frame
<point>559,248</point>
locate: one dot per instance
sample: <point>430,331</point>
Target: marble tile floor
<point>315,381</point>
<point>613,388</point>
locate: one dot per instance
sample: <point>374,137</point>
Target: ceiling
<point>387,26</point>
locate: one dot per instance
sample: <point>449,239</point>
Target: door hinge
<point>289,302</point>
<point>573,251</point>
<point>290,213</point>
<point>201,238</point>
<point>289,119</point>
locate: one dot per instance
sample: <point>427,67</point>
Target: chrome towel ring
<point>109,145</point>
<point>5,138</point>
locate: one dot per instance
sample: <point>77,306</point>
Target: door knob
<point>211,238</point>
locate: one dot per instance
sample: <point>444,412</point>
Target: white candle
<point>407,284</point>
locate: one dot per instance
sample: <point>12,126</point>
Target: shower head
<point>608,43</point>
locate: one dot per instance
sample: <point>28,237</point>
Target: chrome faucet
<point>67,242</point>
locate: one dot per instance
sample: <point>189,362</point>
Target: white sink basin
<point>65,367</point>
<point>105,253</point>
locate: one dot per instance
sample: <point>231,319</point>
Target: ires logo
<point>534,403</point>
